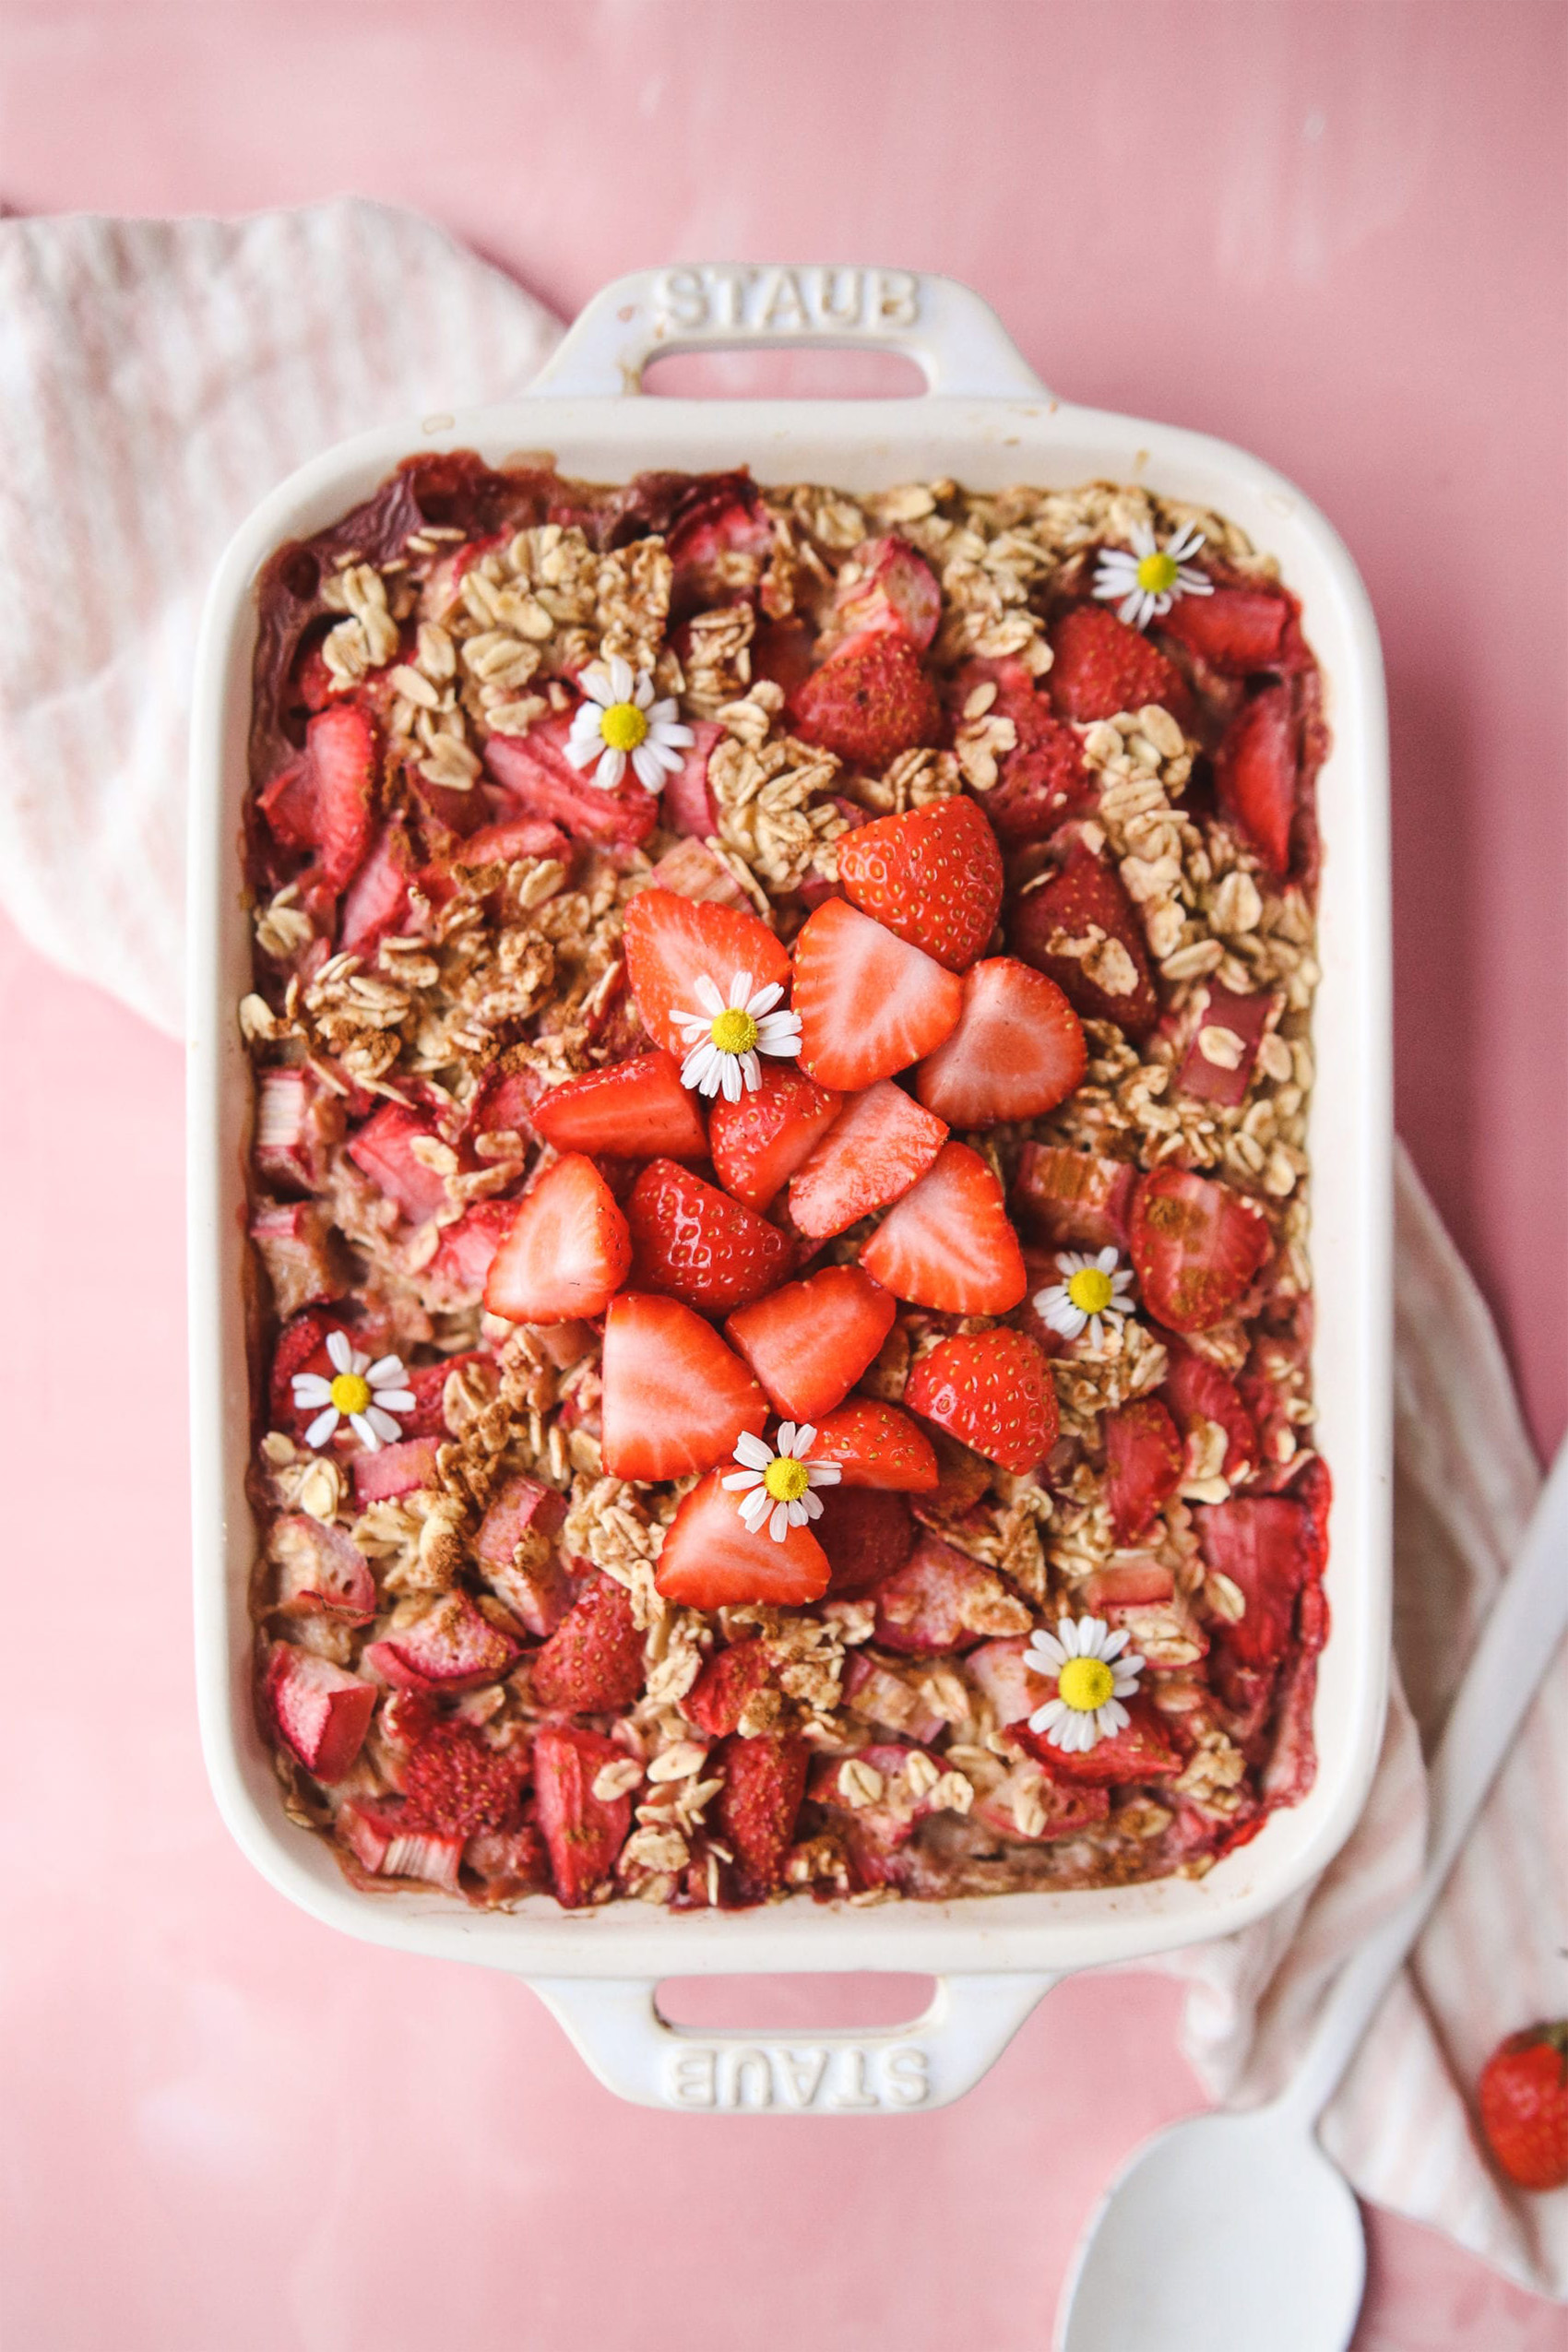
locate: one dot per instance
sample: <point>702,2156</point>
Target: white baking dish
<point>985,421</point>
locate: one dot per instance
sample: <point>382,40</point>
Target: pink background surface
<point>1333,234</point>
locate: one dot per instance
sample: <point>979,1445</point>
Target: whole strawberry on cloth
<point>1523,2095</point>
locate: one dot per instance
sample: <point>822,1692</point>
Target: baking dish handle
<point>954,339</point>
<point>907,2068</point>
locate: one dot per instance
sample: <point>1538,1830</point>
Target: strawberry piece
<point>675,1398</point>
<point>1261,1543</point>
<point>1143,1466</point>
<point>568,1250</point>
<point>671,943</point>
<point>457,1784</point>
<point>593,1661</point>
<point>867,1534</point>
<point>389,1846</point>
<point>509,1863</point>
<point>321,1712</point>
<point>378,905</point>
<point>758,1143</point>
<point>302,1347</point>
<point>1234,629</point>
<point>296,1242</point>
<point>539,781</point>
<point>892,588</point>
<point>717,551</point>
<point>783,652</point>
<point>298,1120</point>
<point>1140,1751</point>
<point>810,1342</point>
<point>691,870</point>
<point>1081,929</point>
<point>384,1149</point>
<point>992,1390</point>
<point>1043,781</point>
<point>1522,2096</point>
<point>513,837</point>
<point>719,1698</point>
<point>933,876</point>
<point>320,1570</point>
<point>1054,1811</point>
<point>871,699</point>
<point>1254,774</point>
<point>689,804</point>
<point>940,1599</point>
<point>765,1781</point>
<point>711,1559</point>
<point>880,1144</point>
<point>1241,1021</point>
<point>634,1110</point>
<point>1102,667</point>
<point>1018,1049</point>
<point>453,1647</point>
<point>323,801</point>
<point>1197,1390</point>
<point>869,1004</point>
<point>583,1833</point>
<point>1073,1199</point>
<point>1196,1246</point>
<point>947,1243</point>
<point>877,1446</point>
<point>457,1275</point>
<point>693,1240</point>
<point>395,1469</point>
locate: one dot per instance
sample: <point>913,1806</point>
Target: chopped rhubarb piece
<point>765,1780</point>
<point>759,1142</point>
<point>582,1832</point>
<point>513,838</point>
<point>1140,1751</point>
<point>1081,929</point>
<point>887,585</point>
<point>504,1106</point>
<point>711,1559</point>
<point>881,1143</point>
<point>698,1244</point>
<point>1234,629</point>
<point>1073,1199</point>
<point>872,699</point>
<point>455,1782</point>
<point>377,906</point>
<point>675,1398</point>
<point>690,806</point>
<point>998,1673</point>
<point>322,801</point>
<point>453,1647</point>
<point>943,1601</point>
<point>389,1845</point>
<point>728,1684</point>
<point>692,871</point>
<point>297,1123</point>
<point>809,1342</point>
<point>321,1711</point>
<point>992,1390</point>
<point>1018,1050</point>
<point>509,1863</point>
<point>458,1274</point>
<point>593,1661</point>
<point>716,548</point>
<point>867,1534</point>
<point>1261,1543</point>
<point>539,781</point>
<point>1143,1466</point>
<point>1028,1804</point>
<point>891,1697</point>
<point>870,1005</point>
<point>1291,1769</point>
<point>567,1252</point>
<point>947,1243</point>
<point>296,1242</point>
<point>1219,1062</point>
<point>672,944</point>
<point>877,1446</point>
<point>385,1150</point>
<point>636,1109</point>
<point>515,1555</point>
<point>1196,1245</point>
<point>1101,666</point>
<point>1129,1584</point>
<point>889,1819</point>
<point>320,1569</point>
<point>931,875</point>
<point>395,1469</point>
<point>1255,772</point>
<point>1196,1391</point>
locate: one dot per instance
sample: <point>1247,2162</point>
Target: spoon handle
<point>1515,1647</point>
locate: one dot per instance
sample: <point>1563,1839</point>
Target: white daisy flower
<point>776,1480</point>
<point>1094,1673</point>
<point>618,720</point>
<point>367,1394</point>
<point>1095,1289</point>
<point>1146,579</point>
<point>724,1040</point>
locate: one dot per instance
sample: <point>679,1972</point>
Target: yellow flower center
<point>1157,573</point>
<point>350,1393</point>
<point>1090,1290</point>
<point>786,1478</point>
<point>1086,1683</point>
<point>734,1032</point>
<point>623,727</point>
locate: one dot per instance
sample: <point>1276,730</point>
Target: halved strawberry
<point>992,1390</point>
<point>1254,774</point>
<point>1235,630</point>
<point>395,1469</point>
<point>539,781</point>
<point>1073,1199</point>
<point>567,1253</point>
<point>809,1342</point>
<point>634,1111</point>
<point>765,1781</point>
<point>457,1785</point>
<point>1102,667</point>
<point>869,1004</point>
<point>453,1647</point>
<point>871,699</point>
<point>583,1833</point>
<point>1081,929</point>
<point>1197,1390</point>
<point>693,1240</point>
<point>892,588</point>
<point>1196,1246</point>
<point>867,1534</point>
<point>1261,1542</point>
<point>730,1679</point>
<point>940,1599</point>
<point>1018,1050</point>
<point>877,1446</point>
<point>675,1398</point>
<point>321,1570</point>
<point>384,1149</point>
<point>323,799</point>
<point>321,1711</point>
<point>758,1141</point>
<point>593,1661</point>
<point>1140,1751</point>
<point>1143,1466</point>
<point>948,1244</point>
<point>881,1143</point>
<point>378,904</point>
<point>1241,1021</point>
<point>671,943</point>
<point>711,1559</point>
<point>933,876</point>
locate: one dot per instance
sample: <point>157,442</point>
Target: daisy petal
<point>752,1450</point>
<point>709,996</point>
<point>385,1369</point>
<point>364,1430</point>
<point>311,1389</point>
<point>382,1422</point>
<point>339,1351</point>
<point>741,1481</point>
<point>395,1400</point>
<point>763,999</point>
<point>647,767</point>
<point>610,769</point>
<point>322,1427</point>
<point>1046,1718</point>
<point>779,1526</point>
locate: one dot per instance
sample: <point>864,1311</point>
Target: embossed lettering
<point>740,2065</point>
<point>896,298</point>
<point>854,2090</point>
<point>904,2075</point>
<point>694,2077</point>
<point>727,297</point>
<point>802,2070</point>
<point>780,303</point>
<point>836,297</point>
<point>684,297</point>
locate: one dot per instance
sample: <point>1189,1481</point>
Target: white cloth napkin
<point>159,377</point>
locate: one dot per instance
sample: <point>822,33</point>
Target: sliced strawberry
<point>871,699</point>
<point>1018,1050</point>
<point>809,1342</point>
<point>1143,1466</point>
<point>869,1004</point>
<point>298,1122</point>
<point>1230,1028</point>
<point>730,1679</point>
<point>694,1241</point>
<point>671,943</point>
<point>583,1833</point>
<point>1197,1390</point>
<point>1196,1246</point>
<point>758,1141</point>
<point>1254,774</point>
<point>296,1245</point>
<point>387,1845</point>
<point>568,1250</point>
<point>322,1712</point>
<point>880,1144</point>
<point>1081,929</point>
<point>384,1149</point>
<point>675,1398</point>
<point>1261,1543</point>
<point>395,1469</point>
<point>1101,667</point>
<point>453,1647</point>
<point>1043,781</point>
<point>636,1109</point>
<point>867,1533</point>
<point>691,870</point>
<point>877,1446</point>
<point>711,1559</point>
<point>765,1781</point>
<point>302,1348</point>
<point>892,588</point>
<point>948,1244</point>
<point>933,876</point>
<point>593,1661</point>
<point>539,781</point>
<point>1140,1751</point>
<point>378,905</point>
<point>992,1390</point>
<point>320,1570</point>
<point>1235,630</point>
<point>457,1785</point>
<point>1073,1199</point>
<point>323,801</point>
<point>940,1599</point>
<point>457,1275</point>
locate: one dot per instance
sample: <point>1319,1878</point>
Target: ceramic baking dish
<point>986,420</point>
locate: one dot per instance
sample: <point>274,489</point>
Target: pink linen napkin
<point>160,376</point>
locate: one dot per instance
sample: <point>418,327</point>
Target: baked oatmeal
<point>781,1316</point>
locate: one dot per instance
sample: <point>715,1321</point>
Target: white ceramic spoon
<point>1228,2233</point>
